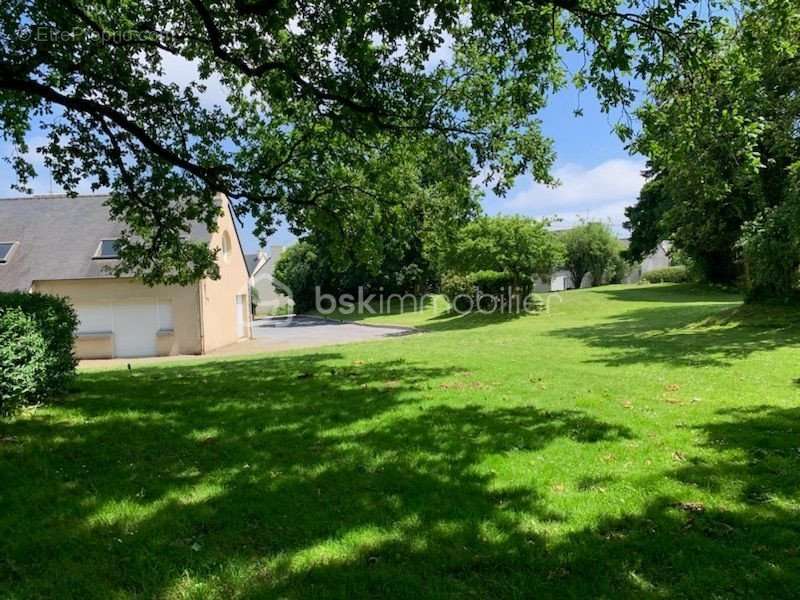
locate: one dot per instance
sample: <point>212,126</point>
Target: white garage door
<point>135,328</point>
<point>134,324</point>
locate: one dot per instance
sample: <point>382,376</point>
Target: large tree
<point>521,247</point>
<point>724,146</point>
<point>308,83</point>
<point>590,248</point>
<point>390,220</point>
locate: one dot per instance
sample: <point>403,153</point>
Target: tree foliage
<point>522,247</point>
<point>646,220</point>
<point>590,248</point>
<point>391,220</point>
<point>299,269</point>
<point>724,145</point>
<point>309,88</point>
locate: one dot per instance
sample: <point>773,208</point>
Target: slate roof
<point>251,261</point>
<point>57,237</point>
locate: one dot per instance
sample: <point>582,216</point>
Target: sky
<point>599,178</point>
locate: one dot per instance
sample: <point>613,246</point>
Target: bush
<point>770,247</point>
<point>458,290</point>
<point>488,290</point>
<point>36,337</point>
<point>492,288</point>
<point>677,274</point>
<point>617,270</point>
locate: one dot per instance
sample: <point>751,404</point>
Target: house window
<point>226,246</point>
<point>6,248</point>
<point>107,249</point>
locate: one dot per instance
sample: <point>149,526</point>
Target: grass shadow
<point>688,334</point>
<point>454,321</point>
<point>152,482</point>
<point>668,293</point>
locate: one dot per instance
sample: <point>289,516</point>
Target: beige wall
<point>185,311</point>
<point>218,308</point>
<point>204,315</point>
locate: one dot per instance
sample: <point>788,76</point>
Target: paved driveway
<point>271,334</point>
<point>279,333</point>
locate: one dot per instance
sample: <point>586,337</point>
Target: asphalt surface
<point>273,334</point>
<point>280,333</point>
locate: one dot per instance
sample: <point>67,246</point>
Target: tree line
<point>495,256</point>
<point>723,144</point>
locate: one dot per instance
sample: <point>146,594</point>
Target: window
<point>6,249</point>
<point>165,319</point>
<point>94,318</point>
<point>107,249</point>
<point>226,246</point>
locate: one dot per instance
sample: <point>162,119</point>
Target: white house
<point>262,267</point>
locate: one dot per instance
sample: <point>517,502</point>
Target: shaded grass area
<point>629,443</point>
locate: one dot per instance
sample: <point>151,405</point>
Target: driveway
<point>271,334</point>
<point>280,333</point>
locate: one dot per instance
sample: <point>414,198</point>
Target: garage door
<point>134,324</point>
<point>135,328</point>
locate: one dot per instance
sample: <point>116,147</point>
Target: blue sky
<point>598,177</point>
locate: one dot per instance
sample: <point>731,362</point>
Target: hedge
<point>36,337</point>
<point>677,274</point>
<point>487,290</point>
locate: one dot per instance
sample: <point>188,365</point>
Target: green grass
<point>638,442</point>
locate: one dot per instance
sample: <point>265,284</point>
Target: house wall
<point>268,299</point>
<point>218,297</point>
<point>658,259</point>
<point>559,281</point>
<point>185,301</point>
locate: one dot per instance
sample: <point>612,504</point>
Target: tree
<point>522,247</point>
<point>725,147</point>
<point>397,206</point>
<point>309,83</point>
<point>299,269</point>
<point>590,248</point>
<point>646,220</point>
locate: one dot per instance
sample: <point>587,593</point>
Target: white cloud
<point>182,72</point>
<point>599,192</point>
<point>443,55</point>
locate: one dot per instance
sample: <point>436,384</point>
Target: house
<point>657,259</point>
<point>262,267</point>
<point>65,246</point>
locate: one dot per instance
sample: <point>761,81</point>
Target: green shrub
<point>458,290</point>
<point>491,282</point>
<point>487,290</point>
<point>677,274</point>
<point>36,337</point>
<point>492,288</point>
<point>770,247</point>
<point>618,269</point>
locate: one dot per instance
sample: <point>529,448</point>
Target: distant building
<point>261,267</point>
<point>561,279</point>
<point>658,259</point>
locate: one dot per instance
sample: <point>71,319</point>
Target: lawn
<point>631,442</point>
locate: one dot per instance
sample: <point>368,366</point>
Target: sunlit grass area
<point>630,442</point>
